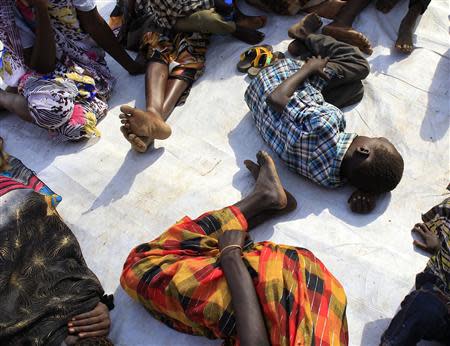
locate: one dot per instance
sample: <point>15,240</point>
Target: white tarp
<point>114,199</point>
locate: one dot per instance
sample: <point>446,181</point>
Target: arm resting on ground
<point>250,325</point>
<point>92,23</point>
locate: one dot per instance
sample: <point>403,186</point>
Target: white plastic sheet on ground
<point>114,199</point>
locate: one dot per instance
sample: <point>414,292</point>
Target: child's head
<point>375,165</point>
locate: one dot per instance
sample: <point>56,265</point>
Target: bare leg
<point>16,104</point>
<point>405,33</point>
<point>341,28</point>
<point>328,9</point>
<point>140,127</point>
<point>268,197</point>
<point>174,90</point>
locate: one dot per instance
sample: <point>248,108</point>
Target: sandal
<point>253,71</point>
<point>257,56</point>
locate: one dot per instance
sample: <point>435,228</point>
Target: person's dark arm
<point>93,24</point>
<point>42,56</point>
<point>280,97</point>
<point>250,325</point>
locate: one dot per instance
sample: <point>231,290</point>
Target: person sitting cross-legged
<point>206,276</point>
<point>173,37</point>
<point>295,108</point>
<point>53,62</point>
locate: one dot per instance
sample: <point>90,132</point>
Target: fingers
<point>86,321</point>
<point>420,229</point>
<point>361,204</point>
<point>102,325</point>
<point>103,332</point>
<point>420,245</point>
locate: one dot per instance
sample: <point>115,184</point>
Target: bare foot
<point>144,124</point>
<point>308,25</point>
<point>297,48</point>
<point>249,36</point>
<point>328,9</point>
<point>268,184</point>
<point>140,144</point>
<point>348,35</point>
<point>291,203</point>
<point>250,22</point>
<point>386,5</point>
<point>404,41</point>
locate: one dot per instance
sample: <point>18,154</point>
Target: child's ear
<point>363,150</point>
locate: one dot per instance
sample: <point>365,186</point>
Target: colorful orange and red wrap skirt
<point>178,278</point>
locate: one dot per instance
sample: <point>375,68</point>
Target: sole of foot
<point>348,35</point>
<point>144,123</point>
<point>308,25</point>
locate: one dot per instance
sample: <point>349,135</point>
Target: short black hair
<point>94,341</point>
<point>381,174</point>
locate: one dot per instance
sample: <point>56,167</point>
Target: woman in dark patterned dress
<point>48,295</point>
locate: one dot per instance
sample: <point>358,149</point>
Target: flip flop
<point>253,71</point>
<point>256,56</point>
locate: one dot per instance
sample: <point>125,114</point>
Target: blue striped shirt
<point>309,133</point>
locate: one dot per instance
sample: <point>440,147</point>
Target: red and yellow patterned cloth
<point>178,279</point>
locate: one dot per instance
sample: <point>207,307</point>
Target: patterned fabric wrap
<point>71,100</point>
<point>17,176</point>
<point>178,279</point>
<point>164,13</point>
<point>438,221</point>
<point>44,280</point>
<point>73,46</point>
<point>184,53</point>
<point>309,134</point>
<point>66,104</point>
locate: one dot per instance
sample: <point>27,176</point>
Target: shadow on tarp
<point>246,141</point>
<point>132,323</point>
<point>435,124</point>
<point>120,185</point>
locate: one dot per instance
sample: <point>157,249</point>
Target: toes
<point>252,167</point>
<point>127,109</point>
<point>138,144</point>
<point>262,157</point>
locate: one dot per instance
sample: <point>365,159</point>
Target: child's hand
<point>316,66</point>
<point>362,202</point>
<point>92,323</point>
<point>430,242</point>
